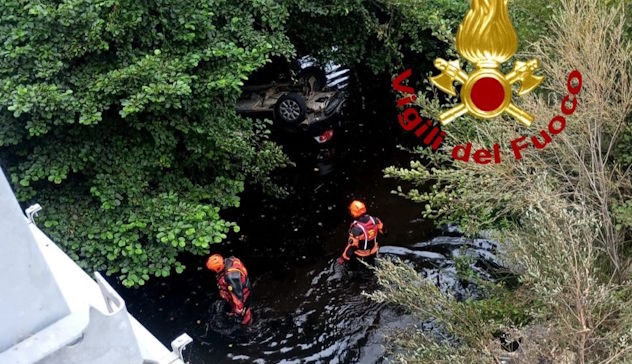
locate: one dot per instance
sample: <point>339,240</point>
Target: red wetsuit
<point>363,234</point>
<point>234,288</point>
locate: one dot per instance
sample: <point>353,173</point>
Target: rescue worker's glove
<point>340,261</point>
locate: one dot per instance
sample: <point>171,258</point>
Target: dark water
<point>305,308</point>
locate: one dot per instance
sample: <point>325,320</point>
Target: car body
<point>304,96</point>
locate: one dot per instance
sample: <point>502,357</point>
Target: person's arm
<point>349,251</point>
<point>380,226</point>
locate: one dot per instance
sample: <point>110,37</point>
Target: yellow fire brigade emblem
<point>487,39</point>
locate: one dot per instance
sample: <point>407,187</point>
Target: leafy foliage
<point>118,117</point>
<point>472,323</point>
<point>562,213</point>
<point>375,33</point>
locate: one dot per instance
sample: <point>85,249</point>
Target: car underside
<point>309,102</point>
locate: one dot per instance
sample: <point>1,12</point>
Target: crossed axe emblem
<point>486,92</point>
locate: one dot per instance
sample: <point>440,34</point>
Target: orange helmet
<point>357,208</point>
<point>215,263</point>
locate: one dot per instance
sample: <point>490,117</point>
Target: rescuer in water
<point>363,234</point>
<point>233,284</point>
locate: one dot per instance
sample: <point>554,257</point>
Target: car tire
<point>290,109</point>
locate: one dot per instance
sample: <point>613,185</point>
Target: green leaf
<point>134,147</point>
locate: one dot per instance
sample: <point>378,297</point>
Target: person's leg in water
<point>357,268</point>
<point>370,260</point>
<point>356,263</point>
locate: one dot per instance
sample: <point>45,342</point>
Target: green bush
<point>375,34</point>
<point>118,117</point>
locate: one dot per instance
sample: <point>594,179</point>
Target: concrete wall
<point>30,300</point>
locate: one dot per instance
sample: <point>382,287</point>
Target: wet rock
<point>451,229</point>
<point>401,251</point>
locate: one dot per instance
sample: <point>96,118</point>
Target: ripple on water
<point>328,320</point>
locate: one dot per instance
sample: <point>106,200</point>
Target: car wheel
<point>290,109</point>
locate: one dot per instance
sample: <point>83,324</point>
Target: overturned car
<point>304,96</point>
